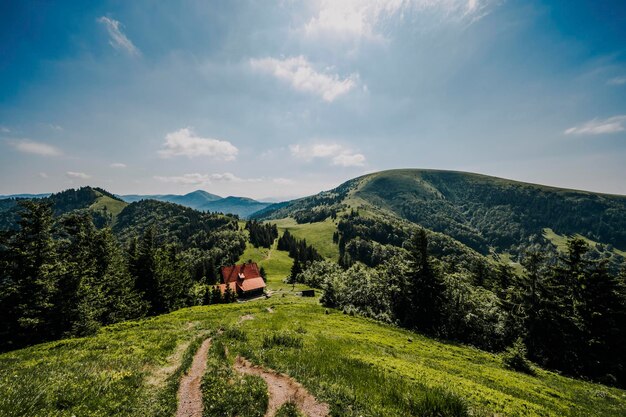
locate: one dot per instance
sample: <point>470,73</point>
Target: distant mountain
<point>202,200</point>
<point>195,199</point>
<point>244,207</point>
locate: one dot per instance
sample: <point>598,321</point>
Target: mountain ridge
<point>481,211</point>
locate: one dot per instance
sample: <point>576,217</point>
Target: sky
<point>281,99</point>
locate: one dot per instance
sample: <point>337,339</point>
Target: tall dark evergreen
<point>29,279</point>
<point>426,287</point>
<point>144,268</point>
<point>78,297</point>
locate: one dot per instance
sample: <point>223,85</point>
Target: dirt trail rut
<point>283,389</point>
<point>189,393</point>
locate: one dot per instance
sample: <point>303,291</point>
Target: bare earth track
<point>189,393</point>
<point>283,389</point>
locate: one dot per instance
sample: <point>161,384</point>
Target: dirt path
<point>189,393</point>
<point>283,389</point>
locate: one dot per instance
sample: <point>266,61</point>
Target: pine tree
<point>295,270</point>
<point>426,287</point>
<point>144,268</point>
<point>27,291</point>
<point>77,304</point>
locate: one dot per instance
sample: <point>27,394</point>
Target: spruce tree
<point>28,288</point>
<point>426,287</point>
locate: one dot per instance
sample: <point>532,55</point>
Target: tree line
<point>568,312</point>
<point>62,276</point>
<point>261,235</point>
<point>302,253</point>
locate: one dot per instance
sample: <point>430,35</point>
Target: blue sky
<point>287,98</point>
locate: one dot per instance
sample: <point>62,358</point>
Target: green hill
<point>102,205</point>
<point>484,213</point>
<point>357,366</point>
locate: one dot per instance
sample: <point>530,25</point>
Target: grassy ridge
<point>358,366</point>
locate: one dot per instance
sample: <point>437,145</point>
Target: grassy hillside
<point>106,203</point>
<point>359,367</point>
<point>319,235</point>
<point>560,241</point>
<point>277,264</point>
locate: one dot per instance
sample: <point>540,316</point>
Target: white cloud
<point>363,19</point>
<point>5,129</point>
<point>349,160</point>
<point>283,181</point>
<point>117,165</point>
<point>599,126</point>
<point>37,148</point>
<point>299,72</point>
<point>43,175</point>
<point>204,179</point>
<point>77,175</point>
<point>118,39</point>
<point>184,142</point>
<point>617,81</point>
<point>338,154</point>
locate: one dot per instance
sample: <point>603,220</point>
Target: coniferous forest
<point>63,276</point>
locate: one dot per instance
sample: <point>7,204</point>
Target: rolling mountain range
<point>198,200</point>
<point>486,214</point>
<point>201,200</point>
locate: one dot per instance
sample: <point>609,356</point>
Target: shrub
<point>514,357</point>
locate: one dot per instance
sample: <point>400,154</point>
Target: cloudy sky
<point>287,98</point>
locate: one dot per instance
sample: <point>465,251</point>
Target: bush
<point>514,357</point>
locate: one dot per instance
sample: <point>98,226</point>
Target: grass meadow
<point>359,367</point>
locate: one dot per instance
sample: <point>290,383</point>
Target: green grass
<point>506,258</point>
<point>227,393</point>
<point>113,206</point>
<point>560,241</point>
<point>319,235</point>
<point>277,264</point>
<point>359,367</point>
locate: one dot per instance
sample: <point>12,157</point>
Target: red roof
<point>242,278</point>
<point>251,284</point>
<point>233,287</point>
<point>233,273</point>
